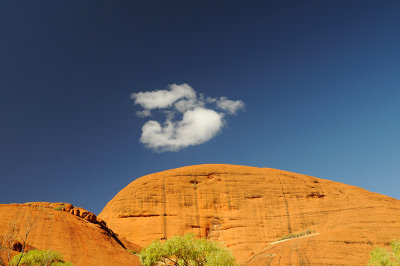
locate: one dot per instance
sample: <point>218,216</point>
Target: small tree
<point>186,250</point>
<point>9,240</point>
<point>41,258</point>
<point>382,257</point>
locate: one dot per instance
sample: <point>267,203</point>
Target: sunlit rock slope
<point>79,235</point>
<point>250,208</point>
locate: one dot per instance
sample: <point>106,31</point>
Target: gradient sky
<point>319,80</point>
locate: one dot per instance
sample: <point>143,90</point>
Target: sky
<point>94,94</point>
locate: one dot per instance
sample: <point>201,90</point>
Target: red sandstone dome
<point>250,208</point>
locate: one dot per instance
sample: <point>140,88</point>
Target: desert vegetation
<point>39,257</point>
<point>15,240</point>
<point>12,240</point>
<point>289,236</point>
<point>383,257</point>
<point>134,252</point>
<point>59,208</point>
<point>186,250</point>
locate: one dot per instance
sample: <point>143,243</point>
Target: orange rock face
<point>79,235</point>
<point>250,208</point>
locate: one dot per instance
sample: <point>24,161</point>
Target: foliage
<point>40,257</point>
<point>382,257</point>
<point>187,250</point>
<point>59,208</point>
<point>134,252</point>
<point>14,235</point>
<point>307,232</point>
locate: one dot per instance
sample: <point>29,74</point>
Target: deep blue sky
<point>320,80</point>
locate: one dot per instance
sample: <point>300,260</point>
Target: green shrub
<point>307,232</point>
<point>59,208</point>
<point>187,250</point>
<point>134,252</point>
<point>41,258</point>
<point>382,257</point>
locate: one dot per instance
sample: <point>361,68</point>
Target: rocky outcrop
<point>67,207</point>
<point>78,234</point>
<point>250,208</point>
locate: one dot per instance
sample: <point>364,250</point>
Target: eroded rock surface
<point>78,234</point>
<point>248,208</point>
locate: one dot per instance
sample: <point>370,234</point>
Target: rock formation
<point>250,208</point>
<point>77,234</point>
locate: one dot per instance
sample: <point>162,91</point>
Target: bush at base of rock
<point>40,257</point>
<point>382,257</point>
<point>186,250</point>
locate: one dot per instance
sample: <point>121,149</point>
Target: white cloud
<point>230,106</point>
<point>162,98</point>
<point>197,126</point>
<point>199,122</point>
<point>184,105</point>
